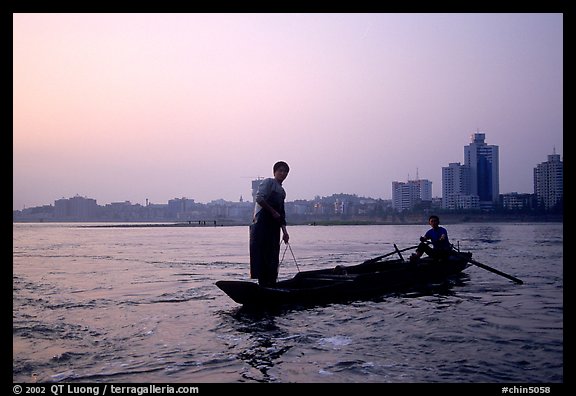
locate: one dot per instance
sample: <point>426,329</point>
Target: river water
<point>139,305</point>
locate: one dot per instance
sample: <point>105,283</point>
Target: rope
<point>295,262</point>
<point>283,254</point>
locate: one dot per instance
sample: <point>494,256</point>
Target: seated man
<point>439,238</point>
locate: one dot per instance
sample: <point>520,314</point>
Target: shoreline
<point>418,219</point>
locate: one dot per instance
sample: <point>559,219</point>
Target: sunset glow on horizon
<point>132,107</point>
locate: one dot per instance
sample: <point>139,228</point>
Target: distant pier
<point>190,223</point>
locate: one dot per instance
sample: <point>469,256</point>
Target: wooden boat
<point>371,278</point>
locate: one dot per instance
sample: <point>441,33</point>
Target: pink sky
<point>156,106</point>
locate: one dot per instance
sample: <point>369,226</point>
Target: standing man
<point>269,219</point>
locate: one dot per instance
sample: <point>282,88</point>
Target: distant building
<point>475,184</point>
<point>482,159</point>
<point>424,187</point>
<point>180,205</point>
<point>516,201</point>
<point>549,182</point>
<point>77,208</point>
<point>406,196</point>
<point>457,188</point>
<point>255,185</point>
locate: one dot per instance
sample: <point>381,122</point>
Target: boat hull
<point>346,283</point>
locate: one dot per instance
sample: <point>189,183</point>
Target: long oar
<point>487,268</point>
<point>373,260</point>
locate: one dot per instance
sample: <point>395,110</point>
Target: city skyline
<point>247,198</point>
<point>156,106</point>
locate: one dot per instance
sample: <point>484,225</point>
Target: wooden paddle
<point>487,268</point>
<point>373,260</point>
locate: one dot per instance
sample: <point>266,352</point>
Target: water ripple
<point>121,305</point>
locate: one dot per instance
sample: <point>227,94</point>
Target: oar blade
<point>494,270</point>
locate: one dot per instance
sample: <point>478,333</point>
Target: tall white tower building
<point>482,159</point>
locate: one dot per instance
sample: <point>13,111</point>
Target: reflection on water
<point>260,349</point>
<point>263,351</point>
<point>266,342</point>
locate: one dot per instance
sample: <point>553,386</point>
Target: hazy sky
<point>122,107</point>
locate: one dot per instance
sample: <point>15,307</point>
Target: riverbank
<point>445,218</point>
<point>407,219</point>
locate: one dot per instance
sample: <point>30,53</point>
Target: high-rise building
<point>406,195</point>
<point>456,188</point>
<point>549,181</point>
<point>424,187</point>
<point>482,159</point>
